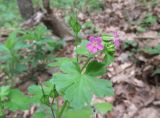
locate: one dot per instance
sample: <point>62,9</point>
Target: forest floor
<point>135,73</point>
<point>136,83</point>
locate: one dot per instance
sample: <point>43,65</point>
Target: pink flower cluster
<point>95,44</point>
<point>116,39</point>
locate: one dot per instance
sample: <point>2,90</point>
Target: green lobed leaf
<point>63,81</point>
<point>36,91</point>
<point>40,114</point>
<point>4,92</point>
<point>70,68</point>
<point>103,107</point>
<point>43,111</point>
<point>81,92</point>
<point>18,101</point>
<point>78,89</point>
<point>82,113</point>
<point>59,61</point>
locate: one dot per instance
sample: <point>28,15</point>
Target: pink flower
<point>116,39</point>
<point>95,44</point>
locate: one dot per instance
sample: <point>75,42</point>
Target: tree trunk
<point>26,8</point>
<point>52,22</point>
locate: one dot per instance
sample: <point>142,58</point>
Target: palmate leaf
<point>80,113</point>
<point>17,101</point>
<point>70,68</point>
<point>59,61</point>
<point>36,91</point>
<point>43,111</point>
<point>4,91</point>
<point>79,88</point>
<point>81,92</point>
<point>103,107</point>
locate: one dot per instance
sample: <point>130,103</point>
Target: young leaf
<point>73,22</point>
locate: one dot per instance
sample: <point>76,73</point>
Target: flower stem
<point>84,66</point>
<point>57,111</point>
<point>76,44</point>
<point>52,111</point>
<point>62,109</point>
<point>50,105</point>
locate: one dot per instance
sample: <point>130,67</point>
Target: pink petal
<point>115,34</point>
<point>116,42</point>
<point>89,45</point>
<point>98,39</point>
<point>93,50</point>
<point>100,47</point>
<point>91,38</point>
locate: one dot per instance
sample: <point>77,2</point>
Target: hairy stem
<point>50,104</point>
<point>84,66</point>
<point>62,110</point>
<point>52,110</point>
<point>76,44</point>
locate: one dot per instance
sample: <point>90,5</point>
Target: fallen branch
<point>48,18</point>
<point>34,20</point>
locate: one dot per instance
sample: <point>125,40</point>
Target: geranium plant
<point>80,78</point>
